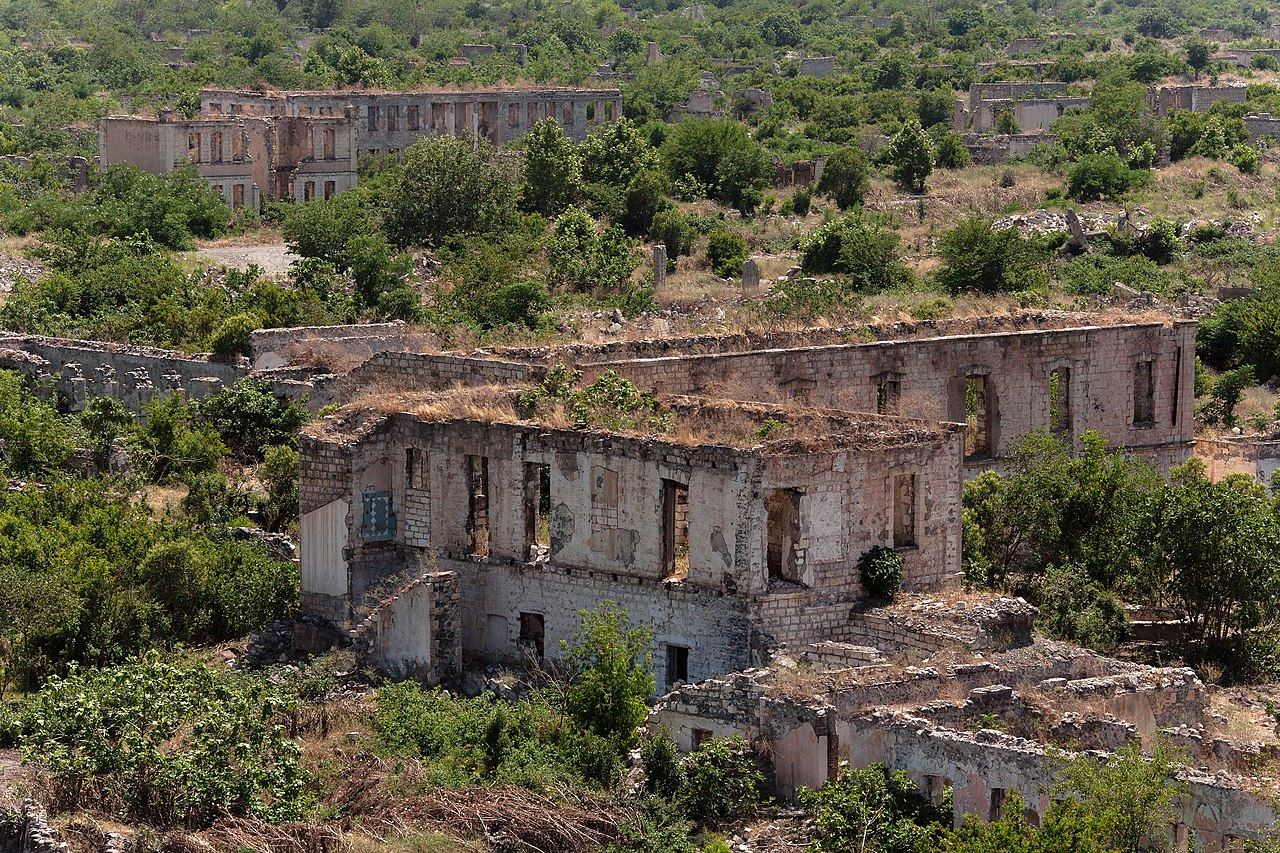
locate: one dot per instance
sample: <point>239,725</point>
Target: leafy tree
<point>873,810</point>
<point>721,781</point>
<point>672,229</point>
<point>880,569</point>
<point>616,154</point>
<point>250,417</point>
<point>857,247</point>
<point>585,261</point>
<point>719,154</point>
<point>612,673</point>
<point>1198,53</point>
<point>1099,176</point>
<point>552,175</point>
<point>911,156</point>
<point>952,153</point>
<point>1006,123</point>
<point>174,442</point>
<point>844,178</point>
<point>1127,798</point>
<point>781,29</point>
<point>520,303</point>
<point>166,744</point>
<point>1210,553</point>
<point>644,200</point>
<point>232,337</point>
<point>447,186</point>
<point>726,253</point>
<point>279,473</point>
<point>977,257</point>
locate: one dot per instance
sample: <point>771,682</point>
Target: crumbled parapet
<point>416,632</point>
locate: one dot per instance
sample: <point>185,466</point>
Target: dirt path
<point>272,259</point>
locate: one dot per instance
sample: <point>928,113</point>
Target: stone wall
<point>1195,98</point>
<point>1000,148</point>
<point>416,632</point>
<point>274,348</point>
<point>77,370</point>
<point>438,371</point>
<point>1254,457</point>
<point>932,373</point>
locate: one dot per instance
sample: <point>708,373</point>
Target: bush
<point>671,228</point>
<point>552,174</point>
<point>858,248</point>
<point>800,202</point>
<point>844,178</point>
<point>873,809</point>
<point>978,257</point>
<point>722,782</point>
<point>880,569</point>
<point>584,261</point>
<point>612,674</point>
<point>1160,241</point>
<point>1246,158</point>
<point>520,303</point>
<point>951,151</point>
<point>249,417</point>
<point>167,744</point>
<point>1099,176</point>
<point>232,337</point>
<point>726,253</point>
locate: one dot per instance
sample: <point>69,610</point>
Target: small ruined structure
<point>1195,98</point>
<point>392,121</point>
<point>984,708</point>
<point>249,160</point>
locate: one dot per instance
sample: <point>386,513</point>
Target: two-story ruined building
<point>728,544</point>
<point>247,159</point>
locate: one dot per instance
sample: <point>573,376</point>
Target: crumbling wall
<point>1253,457</point>
<point>78,370</point>
<point>273,348</point>
<point>419,371</point>
<point>931,376</point>
<point>416,632</point>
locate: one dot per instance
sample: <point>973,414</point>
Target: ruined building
<point>773,531</point>
<point>249,160</point>
<point>392,121</point>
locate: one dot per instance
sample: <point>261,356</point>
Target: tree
<point>585,261</point>
<point>1128,797</point>
<point>447,186</point>
<point>1213,554</point>
<point>1099,176</point>
<point>726,253</point>
<point>1198,53</point>
<point>781,29</point>
<point>612,673</point>
<point>978,257</point>
<point>698,148</point>
<point>844,178</point>
<point>616,154</point>
<point>1006,123</point>
<point>250,417</point>
<point>952,153</point>
<point>552,175</point>
<point>911,156</point>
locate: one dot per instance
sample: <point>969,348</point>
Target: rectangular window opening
<point>513,115</point>
<point>308,190</point>
<point>699,737</point>
<point>887,396</point>
<point>997,804</point>
<point>532,634</point>
<point>783,535</point>
<point>237,196</point>
<point>330,143</point>
<point>591,111</point>
<point>415,123</point>
<point>1060,401</point>
<point>371,116</point>
<point>977,417</point>
<point>1144,393</point>
<point>675,530</point>
<point>1177,385</point>
<point>330,187</point>
<point>215,146</point>
<point>904,511</point>
<point>677,665</point>
<point>478,506</point>
<point>393,119</point>
<point>193,147</point>
<point>537,512</point>
<point>415,468</point>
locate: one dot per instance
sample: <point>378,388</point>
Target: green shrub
<point>167,744</point>
<point>880,569</point>
<point>1100,176</point>
<point>250,417</point>
<point>979,257</point>
<point>874,809</point>
<point>859,248</point>
<point>726,253</point>
<point>722,782</point>
<point>232,337</point>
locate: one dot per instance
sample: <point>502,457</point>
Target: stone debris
<point>14,269</point>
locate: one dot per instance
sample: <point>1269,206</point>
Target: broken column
<point>659,266</point>
<point>750,276</point>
